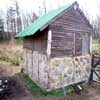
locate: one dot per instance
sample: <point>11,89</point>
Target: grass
<point>32,87</point>
<point>96,47</point>
<point>4,63</point>
<point>12,56</point>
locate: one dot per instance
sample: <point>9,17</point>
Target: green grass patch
<point>32,87</point>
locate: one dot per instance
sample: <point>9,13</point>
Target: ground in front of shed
<point>19,90</point>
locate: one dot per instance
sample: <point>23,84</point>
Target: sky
<point>89,6</point>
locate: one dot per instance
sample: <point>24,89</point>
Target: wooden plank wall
<point>78,44</point>
<point>63,30</point>
<point>35,58</point>
<point>36,66</point>
<point>38,42</point>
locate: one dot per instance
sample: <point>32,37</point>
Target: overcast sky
<point>33,5</point>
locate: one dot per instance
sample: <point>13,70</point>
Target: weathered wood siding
<point>67,31</point>
<point>36,66</point>
<point>78,44</point>
<point>35,58</point>
<point>37,42</point>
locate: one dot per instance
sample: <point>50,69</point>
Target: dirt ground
<point>20,92</point>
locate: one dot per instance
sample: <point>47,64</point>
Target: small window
<point>78,44</point>
<point>82,44</point>
<point>85,44</point>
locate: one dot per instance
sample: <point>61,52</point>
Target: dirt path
<point>19,92</point>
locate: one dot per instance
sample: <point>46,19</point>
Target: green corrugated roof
<point>40,22</point>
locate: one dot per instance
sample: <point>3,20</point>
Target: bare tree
<point>11,23</point>
<point>96,23</point>
<point>33,17</point>
<point>58,4</point>
<point>18,17</point>
<point>13,19</point>
<point>1,21</point>
<point>28,19</point>
<point>42,9</point>
<point>44,6</point>
<point>1,25</point>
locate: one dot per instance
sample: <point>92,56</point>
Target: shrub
<point>14,58</point>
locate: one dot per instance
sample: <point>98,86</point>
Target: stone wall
<point>36,66</point>
<point>56,72</point>
<point>66,71</point>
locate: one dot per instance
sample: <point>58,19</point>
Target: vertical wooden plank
<point>29,58</point>
<point>25,60</point>
<point>90,44</point>
<point>32,64</point>
<point>74,45</point>
<point>78,44</point>
<point>35,66</point>
<point>49,43</point>
<point>43,71</point>
<point>85,44</point>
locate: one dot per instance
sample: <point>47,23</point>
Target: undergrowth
<point>10,56</point>
<point>32,87</point>
<point>96,47</point>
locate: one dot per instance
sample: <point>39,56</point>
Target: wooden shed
<point>57,48</point>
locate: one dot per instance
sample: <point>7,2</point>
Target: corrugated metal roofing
<point>41,21</point>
